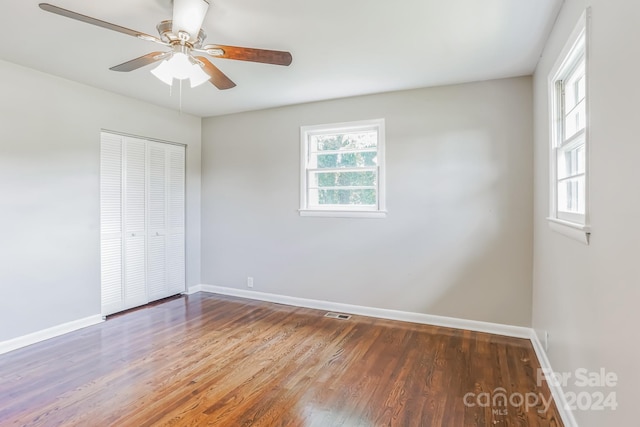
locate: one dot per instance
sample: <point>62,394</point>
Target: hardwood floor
<point>210,360</point>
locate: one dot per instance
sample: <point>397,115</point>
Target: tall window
<point>569,168</point>
<point>342,170</point>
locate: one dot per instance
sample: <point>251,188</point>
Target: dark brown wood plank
<point>215,360</point>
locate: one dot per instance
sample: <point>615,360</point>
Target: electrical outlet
<point>250,282</point>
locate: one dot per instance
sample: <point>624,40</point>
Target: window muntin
<point>342,167</point>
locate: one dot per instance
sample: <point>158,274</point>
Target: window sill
<point>343,214</point>
<point>578,232</point>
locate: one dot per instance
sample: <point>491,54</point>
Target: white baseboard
<point>383,313</point>
<point>193,289</point>
<point>45,334</point>
<point>556,388</point>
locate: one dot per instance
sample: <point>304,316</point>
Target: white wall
<point>49,193</point>
<point>587,297</point>
<point>457,240</point>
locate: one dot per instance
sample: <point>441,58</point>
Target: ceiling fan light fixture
<point>163,72</point>
<point>198,76</point>
<point>181,66</point>
<point>188,16</point>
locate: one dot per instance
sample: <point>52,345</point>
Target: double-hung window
<point>342,170</point>
<point>569,134</point>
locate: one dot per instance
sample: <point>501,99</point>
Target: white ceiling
<point>340,48</point>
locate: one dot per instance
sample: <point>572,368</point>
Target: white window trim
<point>344,211</point>
<point>576,227</point>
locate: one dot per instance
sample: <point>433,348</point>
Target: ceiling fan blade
<point>218,78</point>
<point>89,20</point>
<point>276,57</point>
<point>140,62</point>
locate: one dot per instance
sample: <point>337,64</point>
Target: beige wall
<point>587,297</point>
<point>49,193</point>
<point>457,240</point>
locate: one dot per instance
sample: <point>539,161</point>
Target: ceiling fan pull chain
<point>180,96</point>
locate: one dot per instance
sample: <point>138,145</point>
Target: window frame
<point>347,211</point>
<point>575,51</point>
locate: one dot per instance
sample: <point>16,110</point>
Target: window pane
<point>574,101</point>
<point>342,179</point>
<point>574,87</point>
<point>571,161</point>
<point>571,195</point>
<point>365,197</point>
<point>346,160</point>
<point>575,120</point>
<point>344,141</point>
<point>580,86</point>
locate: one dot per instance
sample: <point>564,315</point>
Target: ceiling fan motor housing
<point>165,29</point>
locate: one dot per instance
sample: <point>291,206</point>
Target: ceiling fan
<point>185,37</point>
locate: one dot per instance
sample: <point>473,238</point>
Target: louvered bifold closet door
<point>111,223</point>
<point>157,220</point>
<point>135,290</point>
<point>176,219</point>
<point>142,185</point>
